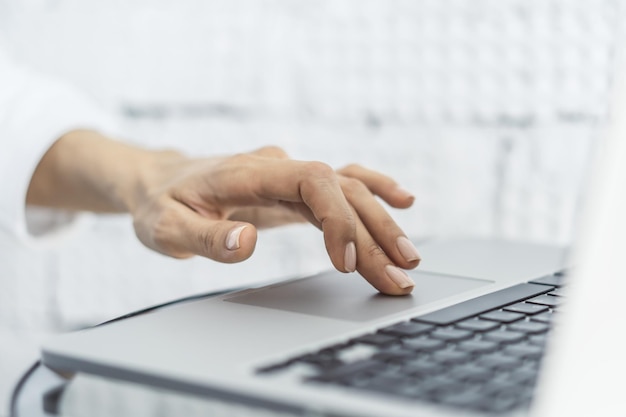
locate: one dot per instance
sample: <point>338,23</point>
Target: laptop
<point>484,332</point>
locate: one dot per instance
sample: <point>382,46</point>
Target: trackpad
<point>350,297</point>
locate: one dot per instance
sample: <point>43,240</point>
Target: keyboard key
<point>482,304</point>
<point>500,387</point>
<point>555,280</point>
<point>558,292</point>
<point>523,376</point>
<point>407,329</point>
<point>450,356</point>
<point>529,327</point>
<point>376,339</point>
<point>321,360</point>
<point>451,334</point>
<point>538,339</point>
<point>477,346</point>
<point>471,373</point>
<point>502,316</point>
<point>393,371</point>
<point>504,336</point>
<point>547,300</point>
<point>423,366</point>
<point>350,370</point>
<point>544,317</point>
<point>501,404</point>
<point>524,350</point>
<point>533,365</point>
<point>526,308</point>
<point>498,361</point>
<point>477,325</point>
<point>412,391</point>
<point>440,384</point>
<point>394,355</point>
<point>423,344</point>
<point>357,351</point>
<point>333,349</point>
<point>385,384</point>
<point>468,397</point>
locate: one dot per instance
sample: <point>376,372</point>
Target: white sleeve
<point>35,111</point>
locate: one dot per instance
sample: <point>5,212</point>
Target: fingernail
<point>406,192</point>
<point>349,259</point>
<point>398,276</point>
<point>232,241</point>
<point>407,249</point>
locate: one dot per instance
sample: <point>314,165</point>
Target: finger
<point>380,225</point>
<point>376,267</point>
<point>266,217</point>
<point>220,240</point>
<point>317,186</point>
<point>245,179</point>
<point>182,233</point>
<point>381,185</point>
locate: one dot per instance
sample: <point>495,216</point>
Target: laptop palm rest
<point>350,297</point>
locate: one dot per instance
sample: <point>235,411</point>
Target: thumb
<point>221,240</point>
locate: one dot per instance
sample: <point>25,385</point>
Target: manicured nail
<point>398,276</point>
<point>407,249</point>
<point>349,259</point>
<point>232,241</point>
<point>406,192</point>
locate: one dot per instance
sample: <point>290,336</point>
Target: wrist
<point>149,173</point>
<point>87,171</point>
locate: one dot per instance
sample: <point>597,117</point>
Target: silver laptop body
<point>221,346</point>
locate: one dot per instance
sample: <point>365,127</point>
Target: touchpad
<point>350,297</point>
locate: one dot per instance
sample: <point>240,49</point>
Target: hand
<point>212,207</point>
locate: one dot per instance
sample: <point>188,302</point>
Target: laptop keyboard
<point>483,354</point>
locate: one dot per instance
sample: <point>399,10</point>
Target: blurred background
<point>485,109</point>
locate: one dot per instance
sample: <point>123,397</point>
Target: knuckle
<point>351,218</point>
<point>373,251</point>
<point>351,169</point>
<point>207,241</point>
<point>241,158</point>
<point>273,151</point>
<point>388,224</point>
<point>353,186</point>
<point>318,169</point>
<point>158,232</point>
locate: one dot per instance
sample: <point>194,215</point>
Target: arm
<point>212,206</point>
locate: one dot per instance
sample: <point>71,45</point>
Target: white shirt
<point>35,110</point>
